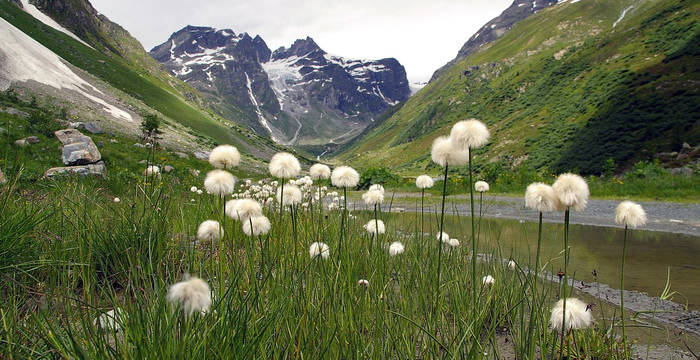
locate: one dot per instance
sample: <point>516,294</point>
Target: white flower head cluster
<point>578,315</point>
<point>292,195</point>
<point>572,191</point>
<point>541,197</point>
<point>284,166</point>
<point>256,225</point>
<point>469,134</point>
<point>320,172</point>
<point>219,182</point>
<point>152,170</point>
<point>243,209</point>
<point>209,230</point>
<point>630,214</point>
<point>443,237</point>
<point>481,186</point>
<point>445,153</point>
<point>319,249</point>
<point>373,197</point>
<point>192,295</point>
<point>377,187</point>
<point>424,182</point>
<point>373,227</point>
<point>224,157</point>
<point>396,248</point>
<point>488,280</point>
<point>344,177</point>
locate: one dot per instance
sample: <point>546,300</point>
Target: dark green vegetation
<point>564,90</point>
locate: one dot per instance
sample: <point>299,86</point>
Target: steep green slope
<point>566,89</point>
<point>139,83</point>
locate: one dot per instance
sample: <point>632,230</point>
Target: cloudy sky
<point>422,35</point>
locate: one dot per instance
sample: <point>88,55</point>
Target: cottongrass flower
<point>209,230</point>
<point>481,186</point>
<point>443,236</point>
<point>572,191</point>
<point>373,197</point>
<point>469,134</point>
<point>488,280</point>
<point>319,249</point>
<point>219,182</point>
<point>396,248</point>
<point>224,157</point>
<point>424,182</point>
<point>541,197</point>
<point>199,192</point>
<point>152,170</point>
<point>375,225</point>
<point>344,177</point>
<point>630,214</point>
<point>444,153</point>
<point>578,316</point>
<point>110,320</point>
<point>193,189</point>
<point>512,265</point>
<point>256,225</point>
<point>243,209</point>
<point>363,283</point>
<point>284,166</point>
<point>453,242</point>
<point>117,200</point>
<point>192,295</point>
<point>377,187</point>
<point>320,172</point>
<point>292,195</point>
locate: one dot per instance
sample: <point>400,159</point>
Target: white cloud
<point>422,35</point>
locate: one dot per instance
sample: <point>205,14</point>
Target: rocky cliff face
<point>497,27</point>
<point>296,95</point>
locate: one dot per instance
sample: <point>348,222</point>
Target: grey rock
<point>32,139</point>
<point>98,169</point>
<point>181,155</point>
<point>201,155</point>
<point>78,149</point>
<point>684,171</point>
<point>139,145</point>
<point>13,111</point>
<point>90,127</point>
<point>194,172</point>
<point>168,168</point>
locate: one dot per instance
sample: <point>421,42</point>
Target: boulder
<point>21,142</point>
<point>168,168</point>
<point>683,171</point>
<point>98,169</point>
<point>182,155</point>
<point>13,111</point>
<point>90,127</point>
<point>32,139</point>
<point>78,149</point>
<point>201,155</point>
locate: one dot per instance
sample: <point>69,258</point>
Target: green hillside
<point>159,93</point>
<point>566,89</point>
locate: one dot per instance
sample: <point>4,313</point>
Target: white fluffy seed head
<point>572,191</point>
<point>445,153</point>
<point>193,189</point>
<point>209,230</point>
<point>117,200</point>
<point>110,321</point>
<point>512,265</point>
<point>396,248</point>
<point>373,197</point>
<point>372,227</point>
<point>192,295</point>
<point>319,249</point>
<point>541,197</point>
<point>152,170</point>
<point>319,172</point>
<point>453,242</point>
<point>630,214</point>
<point>363,283</point>
<point>344,177</point>
<point>243,209</point>
<point>219,182</point>
<point>578,316</point>
<point>469,134</point>
<point>488,280</point>
<point>256,225</point>
<point>424,182</point>
<point>224,157</point>
<point>481,186</point>
<point>284,165</point>
<point>292,195</point>
<point>443,236</point>
<point>378,187</point>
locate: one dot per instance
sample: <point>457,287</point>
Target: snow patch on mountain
<point>37,14</point>
<point>261,118</point>
<point>24,59</point>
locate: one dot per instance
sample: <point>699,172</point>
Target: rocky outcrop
<point>78,149</point>
<point>80,155</point>
<point>497,27</point>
